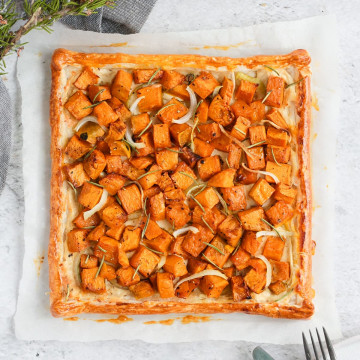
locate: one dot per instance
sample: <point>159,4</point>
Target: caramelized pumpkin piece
<point>91,282</point>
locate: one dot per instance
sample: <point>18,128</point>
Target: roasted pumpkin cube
<point>273,248</point>
<point>194,243</point>
<point>258,111</point>
<point>251,219</point>
<point>167,159</point>
<point>142,290</point>
<point>213,252</point>
<point>278,154</point>
<point>105,114</point>
<point>202,112</point>
<point>80,222</point>
<point>120,109</point>
<point>152,178</point>
<point>279,213</point>
<point>285,193</point>
<point>258,265</point>
<point>171,78</point>
<point>78,105</point>
<point>165,286</point>
<point>152,98</point>
<point>189,157</point>
<point>239,288</point>
<point>99,93</point>
<point>274,116</point>
<point>174,196</point>
<point>114,216</point>
<point>220,111</point>
<point>213,217</point>
<point>115,232</point>
<point>130,239</point>
<point>240,259</point>
<point>246,91</point>
<point>91,282</point>
<point>161,243</point>
<point>156,207</point>
<point>145,259</point>
<point>142,76</point>
<point>276,137</point>
<point>107,248</point>
<point>246,177</point>
<point>282,172</point>
<point>227,89</point>
<point>202,148</point>
<point>86,78</point>
<point>256,158</point>
<point>88,261</point>
<point>113,164</point>
<point>127,276</point>
<point>275,88</point>
<point>204,84</point>
<point>90,132</point>
<point>223,179</point>
<point>235,197</point>
<point>255,281</point>
<point>241,108</point>
<point>121,85</point>
<point>90,195</point>
<point>208,132</point>
<point>234,156</point>
<point>222,143</point>
<point>76,174</point>
<point>146,139</point>
<point>161,136</point>
<point>184,290</point>
<point>183,177</point>
<point>153,230</point>
<point>139,123</point>
<point>180,133</point>
<point>250,242</point>
<point>277,287</point>
<point>76,148</point>
<point>280,270</point>
<point>112,183</point>
<point>130,198</point>
<point>165,183</point>
<point>96,233</point>
<point>231,230</point>
<point>195,265</point>
<point>76,240</point>
<point>141,163</point>
<point>180,92</point>
<point>261,191</point>
<point>154,190</point>
<point>175,265</point>
<point>178,214</point>
<point>176,247</point>
<point>208,167</point>
<point>107,272</point>
<point>122,257</point>
<point>257,134</point>
<point>95,164</point>
<point>173,110</point>
<point>119,147</point>
<point>207,198</point>
<point>212,286</point>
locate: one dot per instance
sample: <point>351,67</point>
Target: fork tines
<point>328,345</point>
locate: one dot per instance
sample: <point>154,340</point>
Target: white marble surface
<point>189,15</point>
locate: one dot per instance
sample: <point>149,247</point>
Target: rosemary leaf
<point>96,184</point>
<point>201,207</point>
<point>154,251</point>
<point>101,264</point>
<point>273,155</point>
<point>210,228</point>
<point>211,262</point>
<point>145,129</point>
<point>153,76</point>
<point>97,94</point>
<point>89,153</point>
<point>148,173</point>
<point>240,131</point>
<point>164,107</point>
<point>173,150</point>
<point>145,227</point>
<point>294,83</point>
<point>87,258</point>
<point>214,247</point>
<point>269,67</point>
<point>188,175</point>
<point>89,227</point>
<point>136,271</point>
<point>67,292</point>
<point>273,227</point>
<point>92,105</point>
<point>118,200</point>
<point>103,250</point>
<point>257,144</point>
<point>266,96</point>
<point>222,201</point>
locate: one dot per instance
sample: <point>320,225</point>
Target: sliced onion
<point>161,262</point>
<point>184,230</point>
<point>216,91</point>
<point>234,84</point>
<point>276,179</point>
<point>86,119</point>
<point>268,269</point>
<point>236,141</point>
<point>135,104</point>
<point>191,110</point>
<point>201,274</point>
<point>129,139</point>
<point>277,127</point>
<point>98,206</point>
<point>273,233</point>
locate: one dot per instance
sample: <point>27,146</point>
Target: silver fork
<point>328,345</point>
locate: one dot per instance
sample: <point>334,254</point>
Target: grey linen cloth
<point>127,17</point>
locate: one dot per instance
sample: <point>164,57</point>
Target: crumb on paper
<point>73,318</point>
<point>123,44</point>
<point>315,136</point>
<point>38,261</point>
<point>315,102</point>
<point>187,319</point>
<point>223,47</point>
<point>119,320</point>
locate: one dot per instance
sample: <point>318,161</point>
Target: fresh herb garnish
<point>155,251</point>
<point>89,227</point>
<point>67,292</point>
<point>118,200</point>
<point>145,227</point>
<point>101,264</point>
<point>87,258</point>
<point>92,105</point>
<point>273,155</point>
<point>269,67</point>
<point>173,150</point>
<point>89,153</point>
<point>266,96</point>
<point>210,228</point>
<point>153,76</point>
<point>148,173</point>
<point>164,107</point>
<point>136,271</point>
<point>103,250</point>
<point>294,83</point>
<point>72,186</point>
<point>96,184</point>
<point>97,94</point>
<point>214,247</point>
<point>188,175</point>
<point>144,130</point>
<point>211,262</point>
<point>201,207</point>
<point>240,131</point>
<point>257,144</point>
<point>273,227</point>
<point>222,201</point>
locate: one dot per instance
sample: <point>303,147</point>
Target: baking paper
<point>33,320</point>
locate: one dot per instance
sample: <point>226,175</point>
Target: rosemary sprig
<point>101,264</point>
<point>67,292</point>
<point>188,175</point>
<point>240,131</point>
<point>92,105</point>
<point>72,186</point>
<point>89,153</point>
<point>236,248</point>
<point>257,144</point>
<point>145,227</point>
<point>266,96</point>
<point>97,94</point>
<point>214,247</point>
<point>155,251</point>
<point>145,129</point>
<point>87,258</point>
<point>222,201</point>
<point>148,173</point>
<point>269,67</point>
<point>89,227</point>
<point>294,83</point>
<point>153,76</point>
<point>273,155</point>
<point>103,250</point>
<point>273,227</point>
<point>211,262</point>
<point>164,107</point>
<point>173,150</point>
<point>197,201</point>
<point>96,184</point>
<point>136,271</point>
<point>118,200</point>
<point>210,228</point>
<point>201,189</point>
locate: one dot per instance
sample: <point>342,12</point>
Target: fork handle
<point>260,354</point>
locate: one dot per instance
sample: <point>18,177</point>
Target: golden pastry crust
<point>61,306</point>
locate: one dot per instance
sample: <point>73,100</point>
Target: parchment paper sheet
<point>33,320</point>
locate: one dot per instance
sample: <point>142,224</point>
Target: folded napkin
<point>127,17</point>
